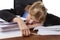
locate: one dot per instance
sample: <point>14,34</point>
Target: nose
<point>31,21</point>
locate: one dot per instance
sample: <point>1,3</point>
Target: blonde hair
<point>38,10</point>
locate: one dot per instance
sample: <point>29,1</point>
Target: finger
<point>27,33</point>
<point>23,32</point>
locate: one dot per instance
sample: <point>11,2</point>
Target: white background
<point>52,5</point>
<point>6,4</point>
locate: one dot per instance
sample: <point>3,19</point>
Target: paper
<point>43,32</point>
<point>50,30</point>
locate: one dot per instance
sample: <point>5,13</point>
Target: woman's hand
<point>25,30</point>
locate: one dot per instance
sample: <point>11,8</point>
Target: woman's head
<point>37,11</point>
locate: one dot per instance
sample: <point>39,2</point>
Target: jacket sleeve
<point>6,15</point>
<point>51,20</point>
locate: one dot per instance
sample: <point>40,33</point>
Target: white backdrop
<point>52,5</point>
<point>6,4</point>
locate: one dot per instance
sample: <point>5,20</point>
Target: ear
<point>27,8</point>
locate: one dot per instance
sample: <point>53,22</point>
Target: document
<point>11,34</point>
<point>49,30</point>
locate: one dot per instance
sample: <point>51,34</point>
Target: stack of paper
<point>8,26</point>
<point>9,29</point>
<point>50,30</point>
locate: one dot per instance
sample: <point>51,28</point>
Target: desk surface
<point>32,37</point>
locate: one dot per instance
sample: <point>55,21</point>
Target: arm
<point>20,22</point>
<point>25,30</point>
<point>7,16</point>
<point>51,20</point>
<point>54,19</point>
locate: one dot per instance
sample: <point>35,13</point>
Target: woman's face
<point>35,14</point>
<point>31,19</point>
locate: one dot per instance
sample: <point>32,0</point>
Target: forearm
<point>20,22</point>
<point>23,28</point>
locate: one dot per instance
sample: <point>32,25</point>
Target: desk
<point>32,37</point>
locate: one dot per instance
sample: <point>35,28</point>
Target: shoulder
<point>51,15</point>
